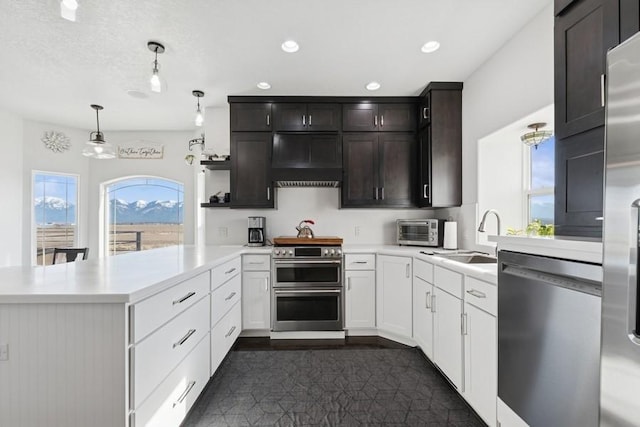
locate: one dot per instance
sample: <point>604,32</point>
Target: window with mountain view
<point>540,199</point>
<point>144,213</point>
<point>55,198</point>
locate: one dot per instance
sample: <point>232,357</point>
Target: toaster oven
<point>420,232</point>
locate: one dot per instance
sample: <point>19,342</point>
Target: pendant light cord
<point>97,121</point>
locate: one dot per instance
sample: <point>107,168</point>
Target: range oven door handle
<point>309,291</point>
<point>302,262</point>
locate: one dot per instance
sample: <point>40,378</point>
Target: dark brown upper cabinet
<point>251,184</point>
<point>584,31</point>
<point>378,169</point>
<point>629,18</point>
<point>318,117</point>
<point>579,163</point>
<point>382,117</point>
<point>440,146</point>
<point>251,117</point>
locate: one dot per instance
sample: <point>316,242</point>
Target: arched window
<point>143,213</point>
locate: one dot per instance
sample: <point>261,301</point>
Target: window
<point>539,196</point>
<point>55,201</point>
<point>143,213</point>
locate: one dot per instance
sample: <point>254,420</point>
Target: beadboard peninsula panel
<point>66,365</point>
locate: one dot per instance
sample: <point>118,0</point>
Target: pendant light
<point>97,147</point>
<point>199,117</point>
<point>155,81</point>
<point>536,137</point>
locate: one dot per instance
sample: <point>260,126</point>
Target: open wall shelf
<point>216,165</point>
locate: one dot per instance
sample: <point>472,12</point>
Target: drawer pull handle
<point>266,284</point>
<point>233,328</point>
<point>256,262</point>
<point>231,295</point>
<point>184,338</point>
<point>184,298</point>
<point>476,294</point>
<point>230,271</point>
<point>184,393</point>
<point>359,262</point>
<point>427,297</point>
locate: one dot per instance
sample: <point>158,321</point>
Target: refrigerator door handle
<point>634,295</point>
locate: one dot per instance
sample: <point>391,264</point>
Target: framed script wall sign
<point>140,150</point>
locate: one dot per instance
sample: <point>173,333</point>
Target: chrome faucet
<point>484,219</point>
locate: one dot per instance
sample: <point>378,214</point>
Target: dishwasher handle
<point>558,280</point>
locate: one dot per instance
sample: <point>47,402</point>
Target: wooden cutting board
<point>302,241</point>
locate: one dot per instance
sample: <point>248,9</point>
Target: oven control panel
<point>307,252</point>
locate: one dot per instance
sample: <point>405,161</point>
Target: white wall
<point>513,83</point>
<point>11,177</point>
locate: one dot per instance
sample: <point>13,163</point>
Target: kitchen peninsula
<point>120,340</point>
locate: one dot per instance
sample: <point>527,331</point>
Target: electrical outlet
<point>4,352</point>
<point>356,230</point>
<point>223,231</point>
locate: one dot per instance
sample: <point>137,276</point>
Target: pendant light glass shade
<point>97,147</point>
<point>199,120</point>
<point>536,137</point>
<point>155,81</point>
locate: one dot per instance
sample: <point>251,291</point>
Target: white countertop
<point>572,248</point>
<point>488,272</point>
<point>114,279</point>
<point>130,277</point>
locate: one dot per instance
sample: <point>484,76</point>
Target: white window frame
<point>34,226</point>
<point>103,216</point>
<point>528,192</point>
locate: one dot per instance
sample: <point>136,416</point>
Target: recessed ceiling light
<point>264,85</point>
<point>430,46</point>
<point>373,86</point>
<point>290,46</point>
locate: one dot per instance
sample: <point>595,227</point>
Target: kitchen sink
<point>470,258</point>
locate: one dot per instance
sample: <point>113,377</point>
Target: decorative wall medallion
<point>140,150</point>
<point>57,142</point>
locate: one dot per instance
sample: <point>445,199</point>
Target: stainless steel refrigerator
<point>620,357</point>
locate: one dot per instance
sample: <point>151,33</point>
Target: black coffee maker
<point>257,226</point>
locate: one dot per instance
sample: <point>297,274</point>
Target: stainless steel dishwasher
<point>549,339</point>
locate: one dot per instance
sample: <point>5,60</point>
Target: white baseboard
<point>363,332</point>
<point>397,338</point>
<point>255,333</point>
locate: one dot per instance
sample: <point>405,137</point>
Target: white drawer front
<point>156,356</point>
<point>150,314</point>
<point>256,263</point>
<point>482,294</point>
<point>359,262</point>
<point>224,272</point>
<point>170,402</point>
<point>224,334</point>
<point>448,280</point>
<point>225,297</point>
<point>423,270</point>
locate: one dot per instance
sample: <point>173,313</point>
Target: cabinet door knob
<point>425,116</point>
<point>268,120</point>
<point>375,120</point>
<point>309,119</point>
<point>304,120</point>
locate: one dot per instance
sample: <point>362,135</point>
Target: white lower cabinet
<point>170,402</point>
<point>256,293</point>
<point>393,296</point>
<point>224,334</point>
<point>480,345</point>
<point>360,299</point>
<point>423,315</point>
<point>448,336</point>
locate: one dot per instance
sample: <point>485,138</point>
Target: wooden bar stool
<point>71,254</point>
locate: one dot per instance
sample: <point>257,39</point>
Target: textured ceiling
<point>52,69</point>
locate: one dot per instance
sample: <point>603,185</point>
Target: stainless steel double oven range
<point>307,292</point>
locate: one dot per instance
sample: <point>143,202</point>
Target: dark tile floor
<point>325,385</point>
